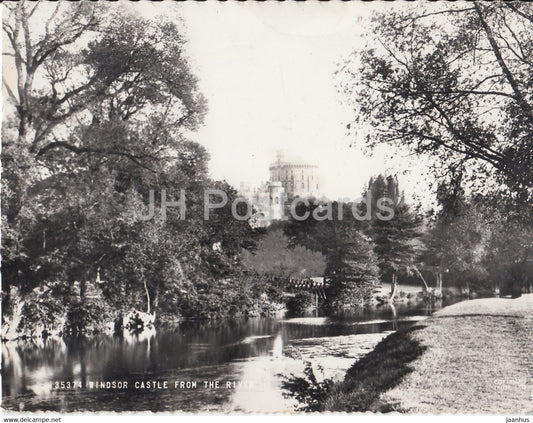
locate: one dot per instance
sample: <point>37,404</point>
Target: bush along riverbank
<point>83,311</point>
<point>40,315</point>
<point>473,356</point>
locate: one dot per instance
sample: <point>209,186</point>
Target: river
<point>230,365</point>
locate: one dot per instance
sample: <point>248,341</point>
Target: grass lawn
<point>472,357</point>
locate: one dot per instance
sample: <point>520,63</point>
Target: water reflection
<point>249,354</point>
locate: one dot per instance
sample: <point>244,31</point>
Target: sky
<point>267,70</point>
<point>268,73</point>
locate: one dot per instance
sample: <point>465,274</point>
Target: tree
<point>483,243</point>
<point>397,240</point>
<point>92,90</point>
<point>509,256</point>
<point>457,243</point>
<point>101,101</point>
<point>452,81</point>
<point>274,258</point>
<point>132,67</point>
<point>351,265</point>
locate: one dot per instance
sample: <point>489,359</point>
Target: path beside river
<point>471,357</point>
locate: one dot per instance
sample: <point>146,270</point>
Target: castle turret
<point>297,177</point>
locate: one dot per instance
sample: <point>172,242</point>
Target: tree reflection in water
<point>254,351</point>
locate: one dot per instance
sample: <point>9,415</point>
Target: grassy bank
<point>472,357</point>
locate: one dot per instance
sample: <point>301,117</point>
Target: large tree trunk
<point>10,326</point>
<point>426,287</point>
<point>147,297</point>
<point>156,300</point>
<point>146,291</point>
<point>438,280</point>
<point>393,285</point>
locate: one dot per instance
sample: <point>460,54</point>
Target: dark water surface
<point>247,358</point>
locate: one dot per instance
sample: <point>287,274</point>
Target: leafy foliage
<point>300,303</point>
<point>272,256</point>
<point>97,117</point>
<point>308,390</point>
<point>398,240</point>
<point>82,317</point>
<point>351,265</point>
<point>452,82</point>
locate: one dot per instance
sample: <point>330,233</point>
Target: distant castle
<point>288,179</point>
<point>298,178</point>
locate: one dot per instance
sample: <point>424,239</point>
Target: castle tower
<point>297,177</point>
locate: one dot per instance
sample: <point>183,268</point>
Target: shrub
<point>515,278</point>
<point>307,390</point>
<point>42,311</point>
<point>300,303</point>
<point>84,317</point>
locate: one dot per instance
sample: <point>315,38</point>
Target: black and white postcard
<point>267,207</point>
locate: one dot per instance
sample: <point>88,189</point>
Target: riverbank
<point>471,357</point>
